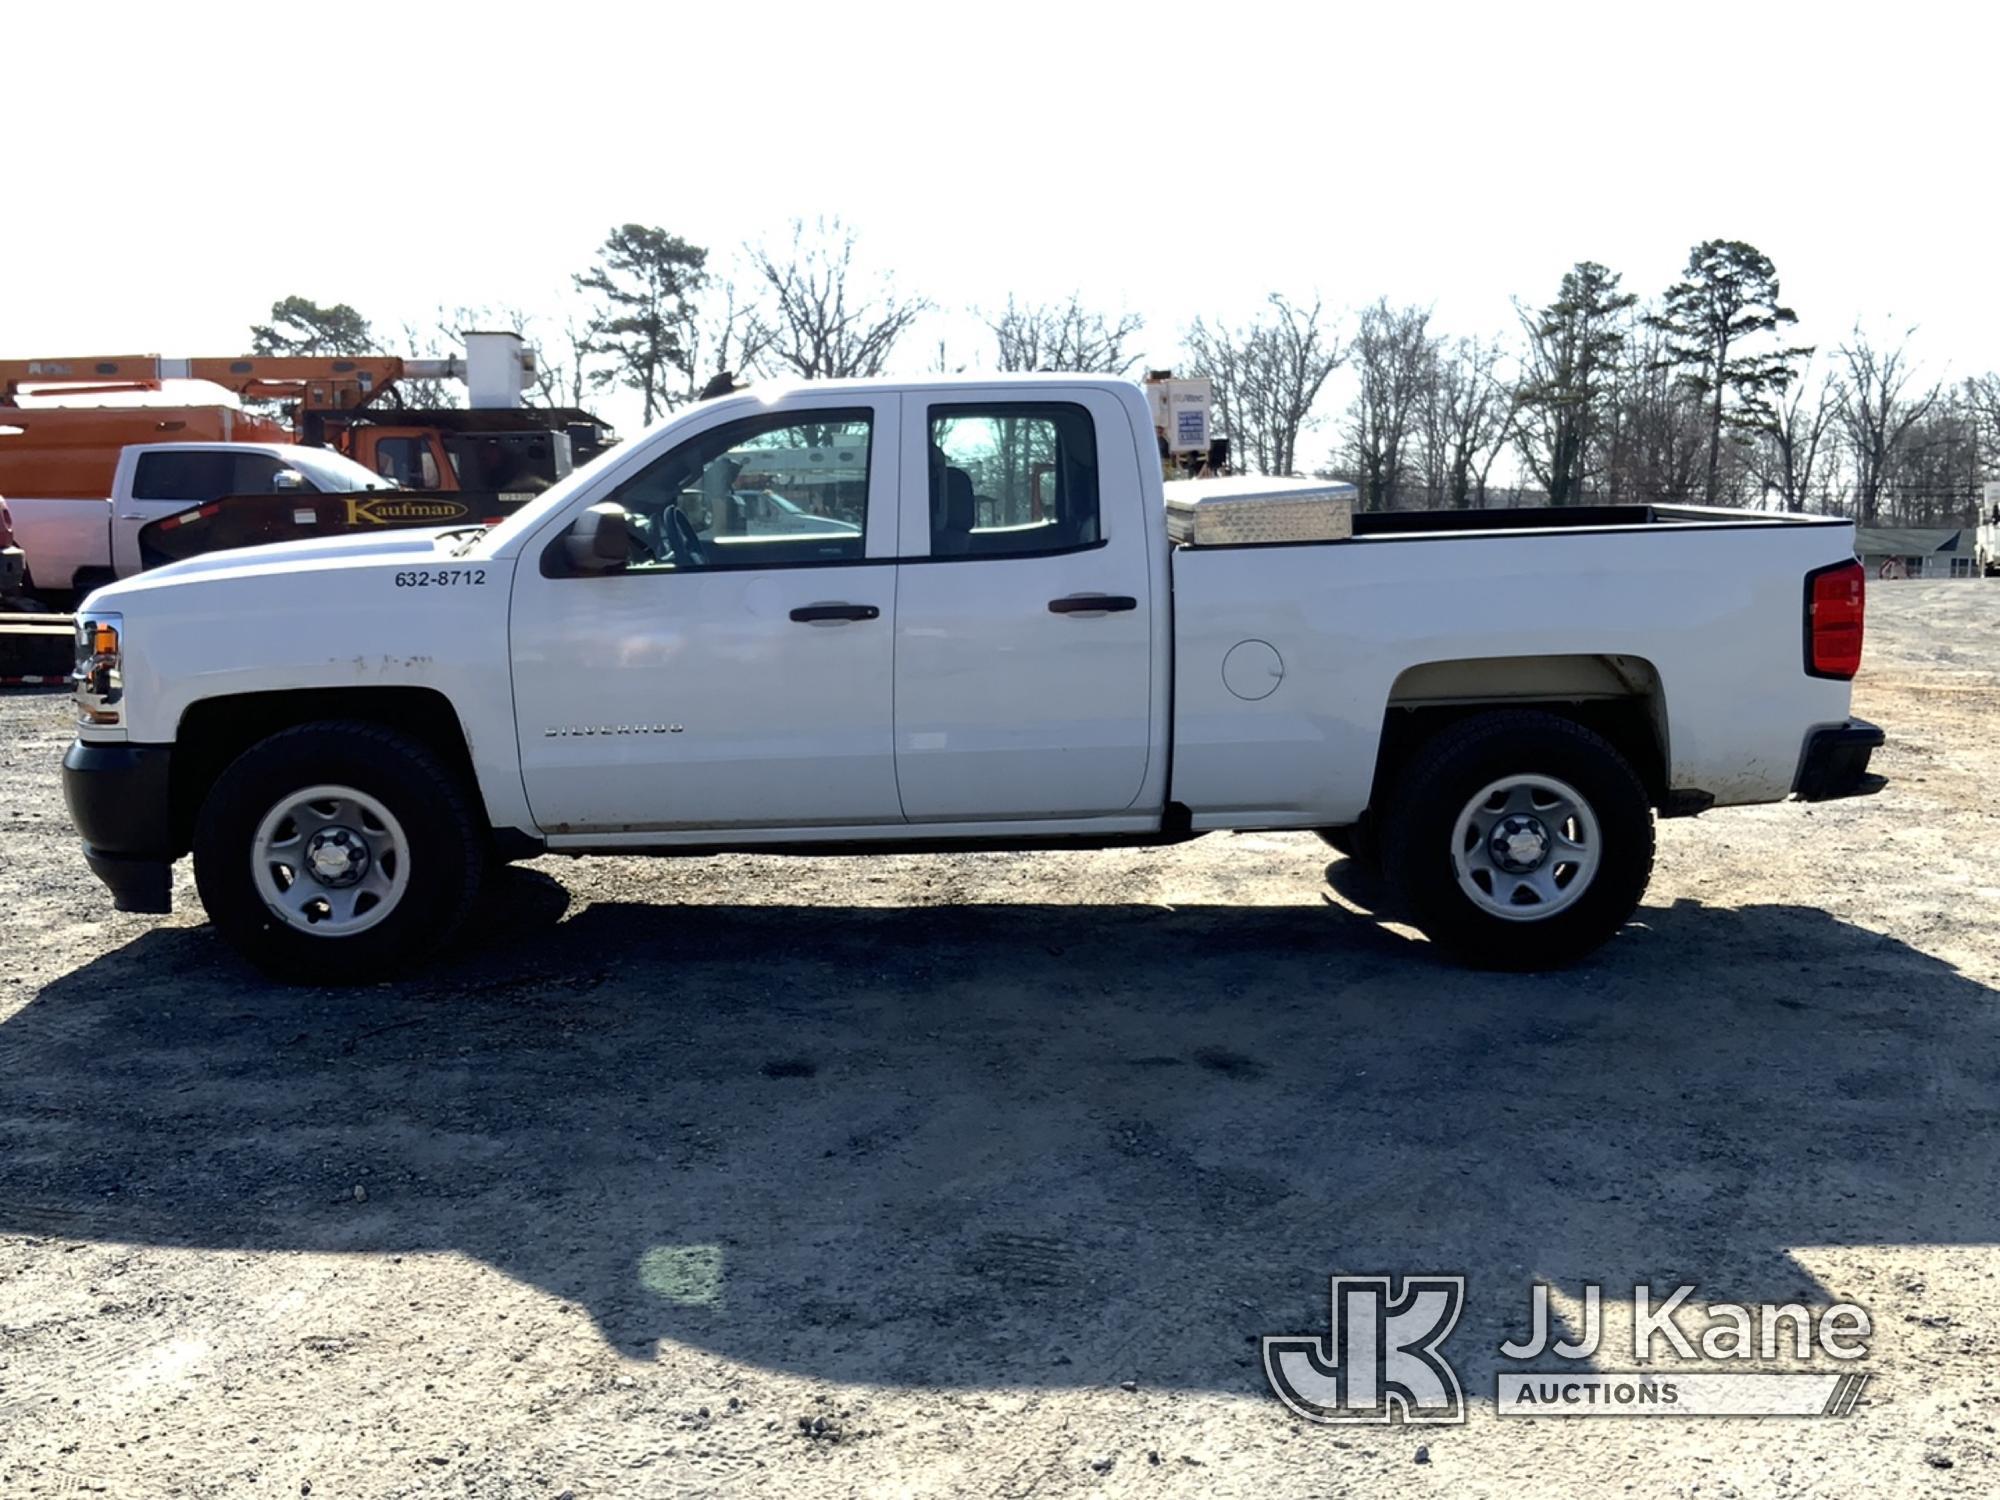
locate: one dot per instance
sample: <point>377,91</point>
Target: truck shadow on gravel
<point>1022,1144</point>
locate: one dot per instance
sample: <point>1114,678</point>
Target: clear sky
<point>173,168</point>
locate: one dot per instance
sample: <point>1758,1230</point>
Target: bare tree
<point>1463,421</point>
<point>434,341</point>
<point>1064,336</point>
<point>564,364</point>
<point>728,333</point>
<point>1982,394</point>
<point>1267,376</point>
<point>1938,476</point>
<point>1395,359</point>
<point>1876,412</point>
<point>825,321</point>
<point>1654,438</point>
<point>1795,446</point>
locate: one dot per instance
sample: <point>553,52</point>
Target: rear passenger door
<point>1024,608</point>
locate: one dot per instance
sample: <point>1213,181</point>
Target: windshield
<point>553,499</point>
<point>334,474</point>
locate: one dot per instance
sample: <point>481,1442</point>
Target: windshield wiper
<point>472,534</point>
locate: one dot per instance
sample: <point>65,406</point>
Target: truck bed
<point>1291,657</point>
<point>1397,525</point>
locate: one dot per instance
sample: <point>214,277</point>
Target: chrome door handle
<point>814,614</point>
<point>1093,604</point>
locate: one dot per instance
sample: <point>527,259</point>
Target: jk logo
<point>1381,1355</point>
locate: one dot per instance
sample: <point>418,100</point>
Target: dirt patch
<point>983,1175</point>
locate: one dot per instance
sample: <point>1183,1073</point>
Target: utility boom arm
<point>316,382</point>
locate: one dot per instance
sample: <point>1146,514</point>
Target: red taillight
<point>1835,603</point>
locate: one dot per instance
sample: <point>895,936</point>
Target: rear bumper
<point>1835,763</point>
<point>119,800</point>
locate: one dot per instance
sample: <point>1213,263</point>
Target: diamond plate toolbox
<point>1243,511</point>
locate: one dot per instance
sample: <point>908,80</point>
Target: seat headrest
<point>960,510</point>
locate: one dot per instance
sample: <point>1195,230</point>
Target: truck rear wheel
<point>336,851</point>
<point>1519,840</point>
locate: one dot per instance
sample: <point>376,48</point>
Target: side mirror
<point>287,480</point>
<point>600,539</point>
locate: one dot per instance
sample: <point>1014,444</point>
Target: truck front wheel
<point>336,851</point>
<point>1519,840</point>
<point>1355,841</point>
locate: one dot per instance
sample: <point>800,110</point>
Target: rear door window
<point>195,475</point>
<point>1012,478</point>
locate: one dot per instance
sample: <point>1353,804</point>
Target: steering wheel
<point>683,541</point>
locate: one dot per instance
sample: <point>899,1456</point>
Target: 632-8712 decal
<point>440,578</point>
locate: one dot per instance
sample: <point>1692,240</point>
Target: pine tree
<point>301,326</point>
<point>1729,300</point>
<point>1570,368</point>
<point>643,279</point>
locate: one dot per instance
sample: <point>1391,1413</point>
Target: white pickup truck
<point>993,641</point>
<point>75,541</point>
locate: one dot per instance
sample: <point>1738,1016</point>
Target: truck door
<point>735,675</point>
<point>1024,608</point>
<point>154,482</point>
<point>408,456</point>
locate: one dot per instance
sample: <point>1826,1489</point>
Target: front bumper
<point>120,800</point>
<point>1835,763</point>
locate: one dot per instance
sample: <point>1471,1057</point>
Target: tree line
<point>1699,395</point>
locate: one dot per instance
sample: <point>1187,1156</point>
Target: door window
<point>201,474</point>
<point>254,473</point>
<point>192,476</point>
<point>1012,478</point>
<point>407,461</point>
<point>772,491</point>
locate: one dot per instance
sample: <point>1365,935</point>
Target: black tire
<point>1444,776</point>
<point>1355,842</point>
<point>446,852</point>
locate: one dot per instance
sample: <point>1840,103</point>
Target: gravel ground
<point>982,1175</point>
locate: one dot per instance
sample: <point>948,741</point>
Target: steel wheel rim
<point>1494,850</point>
<point>330,861</point>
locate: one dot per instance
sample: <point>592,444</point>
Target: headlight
<point>99,679</point>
